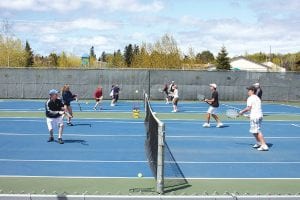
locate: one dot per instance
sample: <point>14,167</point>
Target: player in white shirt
<point>256,116</point>
<point>175,98</point>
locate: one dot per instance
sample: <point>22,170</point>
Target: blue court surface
<point>115,147</point>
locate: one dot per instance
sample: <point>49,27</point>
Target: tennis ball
<point>87,102</point>
<point>136,91</point>
<point>140,175</point>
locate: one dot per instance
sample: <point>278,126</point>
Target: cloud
<point>72,5</point>
<point>239,37</point>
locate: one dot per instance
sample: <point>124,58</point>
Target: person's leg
<point>50,128</point>
<point>97,103</point>
<point>219,123</point>
<point>255,126</point>
<point>60,125</point>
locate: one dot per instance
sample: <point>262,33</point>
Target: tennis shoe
<point>70,124</point>
<point>95,108</point>
<point>263,148</point>
<point>206,125</point>
<point>220,125</point>
<point>60,141</point>
<point>256,146</point>
<point>51,139</point>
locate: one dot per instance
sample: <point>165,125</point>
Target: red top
<point>98,93</point>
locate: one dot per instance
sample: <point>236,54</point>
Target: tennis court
<point>104,151</point>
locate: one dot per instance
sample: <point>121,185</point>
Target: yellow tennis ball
<point>140,175</point>
<point>136,91</point>
<point>87,102</point>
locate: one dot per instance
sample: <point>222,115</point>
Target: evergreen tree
<point>92,53</point>
<point>104,57</point>
<point>29,55</point>
<point>223,60</point>
<point>128,55</point>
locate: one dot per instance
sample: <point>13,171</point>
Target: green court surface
<point>117,186</point>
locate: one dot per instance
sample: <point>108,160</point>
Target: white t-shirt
<point>254,102</point>
<point>175,93</point>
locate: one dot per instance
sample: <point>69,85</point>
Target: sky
<point>242,26</point>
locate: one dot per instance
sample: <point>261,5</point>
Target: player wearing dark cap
<point>256,116</point>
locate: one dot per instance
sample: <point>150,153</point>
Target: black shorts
<point>67,103</point>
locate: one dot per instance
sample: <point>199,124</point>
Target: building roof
<point>244,66</point>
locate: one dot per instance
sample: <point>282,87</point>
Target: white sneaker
<point>263,148</point>
<point>112,104</point>
<point>219,125</point>
<point>174,110</point>
<point>256,146</point>
<point>95,108</point>
<point>206,125</point>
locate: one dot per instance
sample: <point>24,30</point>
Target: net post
<point>160,159</point>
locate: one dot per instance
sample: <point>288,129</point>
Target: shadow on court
<point>82,142</point>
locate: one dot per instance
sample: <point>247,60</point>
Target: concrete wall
<point>35,83</point>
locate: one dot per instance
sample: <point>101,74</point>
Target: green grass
<point>106,186</point>
<point>128,115</point>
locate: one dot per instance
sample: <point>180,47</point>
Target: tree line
<point>163,54</point>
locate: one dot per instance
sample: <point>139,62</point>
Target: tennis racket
<point>232,113</point>
<point>200,97</point>
<point>79,105</point>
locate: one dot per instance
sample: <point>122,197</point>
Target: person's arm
<point>210,101</point>
<point>247,109</point>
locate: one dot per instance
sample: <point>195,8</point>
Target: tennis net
<point>162,163</point>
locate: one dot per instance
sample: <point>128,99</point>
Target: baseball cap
<point>53,91</point>
<point>213,85</point>
<point>251,88</point>
<point>256,84</point>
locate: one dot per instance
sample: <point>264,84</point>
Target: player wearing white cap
<point>259,91</point>
<point>214,104</point>
<point>54,113</point>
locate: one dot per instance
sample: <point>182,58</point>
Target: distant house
<point>244,64</point>
<point>274,67</point>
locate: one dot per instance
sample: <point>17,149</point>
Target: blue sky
<point>242,26</point>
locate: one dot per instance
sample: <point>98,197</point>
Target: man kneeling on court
<point>54,113</point>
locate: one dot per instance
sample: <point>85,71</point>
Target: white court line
<point>135,135</point>
<point>84,120</point>
<point>142,161</point>
<point>124,177</point>
<point>296,125</point>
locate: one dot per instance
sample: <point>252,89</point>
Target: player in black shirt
<point>258,91</point>
<point>214,104</point>
<point>54,110</point>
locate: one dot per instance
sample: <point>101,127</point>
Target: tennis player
<point>54,113</point>
<point>175,98</point>
<point>114,93</point>
<point>256,116</point>
<point>171,90</point>
<point>98,95</point>
<point>214,104</point>
<point>165,90</point>
<point>67,97</point>
<point>259,91</point>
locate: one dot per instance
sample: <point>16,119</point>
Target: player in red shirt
<point>98,97</point>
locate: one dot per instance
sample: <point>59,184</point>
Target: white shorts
<point>54,122</point>
<point>255,125</point>
<point>212,110</point>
